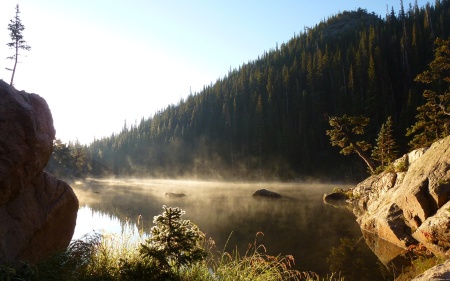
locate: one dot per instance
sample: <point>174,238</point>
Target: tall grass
<point>105,257</point>
<point>255,264</point>
<point>419,264</point>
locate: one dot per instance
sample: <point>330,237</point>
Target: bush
<point>173,241</point>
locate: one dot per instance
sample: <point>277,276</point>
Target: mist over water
<point>299,224</point>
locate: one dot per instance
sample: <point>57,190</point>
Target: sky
<point>101,63</point>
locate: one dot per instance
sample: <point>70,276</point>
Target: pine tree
<point>173,241</point>
<point>373,106</point>
<point>17,43</point>
<point>433,121</point>
<point>385,150</point>
<point>438,76</point>
<point>345,133</point>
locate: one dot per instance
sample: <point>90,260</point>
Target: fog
<point>298,223</point>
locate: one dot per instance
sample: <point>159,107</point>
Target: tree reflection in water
<point>354,261</point>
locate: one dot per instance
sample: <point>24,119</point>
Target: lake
<point>319,236</point>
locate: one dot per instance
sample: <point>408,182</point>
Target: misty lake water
<point>298,224</point>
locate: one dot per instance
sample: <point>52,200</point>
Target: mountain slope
<point>267,119</point>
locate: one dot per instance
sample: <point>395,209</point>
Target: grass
<point>422,264</point>
<point>444,181</point>
<point>107,257</point>
<point>256,265</point>
<point>418,266</point>
<point>348,192</point>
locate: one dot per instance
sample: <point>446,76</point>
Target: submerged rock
<point>266,193</point>
<point>170,194</point>
<point>37,211</point>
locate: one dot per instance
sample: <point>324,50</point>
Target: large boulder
<point>434,232</point>
<point>37,211</point>
<point>408,207</point>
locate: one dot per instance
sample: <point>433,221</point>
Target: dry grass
<point>105,256</point>
<point>256,265</point>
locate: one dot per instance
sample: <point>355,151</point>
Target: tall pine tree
<point>433,118</point>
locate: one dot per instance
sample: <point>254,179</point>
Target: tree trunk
<point>364,157</point>
<point>15,63</point>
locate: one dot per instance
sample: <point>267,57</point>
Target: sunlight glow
<point>89,221</point>
<point>100,63</point>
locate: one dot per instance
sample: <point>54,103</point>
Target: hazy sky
<point>101,62</point>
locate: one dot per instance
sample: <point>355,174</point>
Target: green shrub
<point>348,192</point>
<point>17,272</point>
<point>143,269</point>
<point>173,241</point>
<point>401,166</point>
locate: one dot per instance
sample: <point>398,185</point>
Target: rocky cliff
<point>37,211</point>
<point>411,206</point>
<point>406,209</point>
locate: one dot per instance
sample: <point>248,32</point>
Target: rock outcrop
<point>37,211</point>
<point>410,207</point>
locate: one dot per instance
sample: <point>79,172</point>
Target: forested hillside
<point>267,118</point>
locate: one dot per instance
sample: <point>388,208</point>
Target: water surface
<point>319,236</point>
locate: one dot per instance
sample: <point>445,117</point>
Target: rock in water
<point>335,198</point>
<point>170,194</point>
<point>266,193</point>
<point>37,211</point>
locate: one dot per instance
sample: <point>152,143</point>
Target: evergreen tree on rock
<point>345,135</point>
<point>17,43</point>
<point>385,150</point>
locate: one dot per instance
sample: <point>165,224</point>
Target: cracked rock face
<point>37,211</point>
<point>410,207</point>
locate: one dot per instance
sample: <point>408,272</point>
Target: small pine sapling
<point>173,242</point>
<point>385,151</point>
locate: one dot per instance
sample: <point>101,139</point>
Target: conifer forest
<point>267,118</point>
